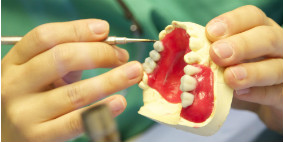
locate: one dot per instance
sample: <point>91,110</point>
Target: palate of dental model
<point>182,86</point>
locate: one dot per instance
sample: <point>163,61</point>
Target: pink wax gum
<point>169,70</point>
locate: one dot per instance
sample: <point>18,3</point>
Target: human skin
<point>42,95</point>
<point>250,46</point>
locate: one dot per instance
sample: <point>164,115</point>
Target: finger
<point>235,21</point>
<point>267,95</point>
<point>263,73</point>
<point>71,97</point>
<point>62,59</point>
<point>70,125</point>
<point>47,36</point>
<point>72,77</point>
<point>68,79</point>
<point>257,42</point>
<point>244,105</point>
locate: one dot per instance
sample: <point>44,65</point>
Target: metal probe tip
<point>110,40</point>
<point>124,40</point>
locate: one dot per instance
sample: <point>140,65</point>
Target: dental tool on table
<point>10,40</point>
<point>99,124</point>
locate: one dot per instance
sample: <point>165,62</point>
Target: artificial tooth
<point>162,34</point>
<point>192,57</point>
<point>150,62</point>
<point>147,68</point>
<point>191,70</point>
<point>194,33</point>
<point>154,55</point>
<point>187,99</point>
<point>195,44</point>
<point>158,46</point>
<point>188,83</point>
<point>169,29</point>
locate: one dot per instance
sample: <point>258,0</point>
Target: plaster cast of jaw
<point>160,110</point>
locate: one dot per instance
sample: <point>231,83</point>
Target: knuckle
<point>62,57</point>
<point>240,44</point>
<point>109,53</point>
<point>110,81</point>
<point>75,97</point>
<point>280,71</point>
<point>43,35</point>
<point>76,33</point>
<point>74,125</point>
<point>7,88</point>
<point>36,133</point>
<point>259,13</point>
<point>271,38</point>
<point>275,37</point>
<point>10,82</point>
<point>104,56</point>
<point>14,115</point>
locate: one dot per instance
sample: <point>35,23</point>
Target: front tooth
<point>187,99</point>
<point>192,57</point>
<point>158,46</point>
<point>188,83</point>
<point>191,70</point>
<point>154,55</point>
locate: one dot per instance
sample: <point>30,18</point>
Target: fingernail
<point>242,91</point>
<point>132,70</point>
<point>223,49</point>
<point>99,27</point>
<point>121,54</point>
<point>116,105</point>
<point>239,72</point>
<point>217,29</point>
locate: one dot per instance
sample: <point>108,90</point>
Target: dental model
<point>182,87</point>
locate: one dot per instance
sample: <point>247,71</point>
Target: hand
<point>42,97</point>
<point>250,46</point>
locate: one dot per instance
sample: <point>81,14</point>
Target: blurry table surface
<point>240,126</point>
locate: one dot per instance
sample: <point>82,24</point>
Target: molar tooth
<point>158,46</point>
<point>169,29</point>
<point>154,55</point>
<point>188,83</point>
<point>187,99</point>
<point>191,70</point>
<point>149,65</point>
<point>147,68</point>
<point>192,57</point>
<point>194,33</point>
<point>150,62</point>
